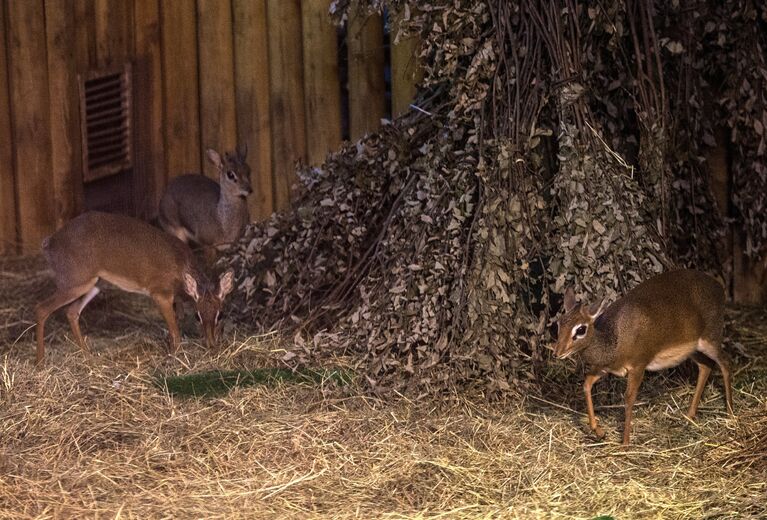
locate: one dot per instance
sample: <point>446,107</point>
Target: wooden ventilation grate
<point>105,110</point>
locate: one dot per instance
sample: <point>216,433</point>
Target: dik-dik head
<point>208,299</point>
<point>233,171</point>
<point>576,326</point>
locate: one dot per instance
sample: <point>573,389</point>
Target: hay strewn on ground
<point>95,437</point>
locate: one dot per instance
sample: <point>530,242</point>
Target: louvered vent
<point>105,104</point>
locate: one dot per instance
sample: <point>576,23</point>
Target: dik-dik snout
<point>664,321</point>
<point>576,327</point>
<point>208,301</point>
<point>234,172</point>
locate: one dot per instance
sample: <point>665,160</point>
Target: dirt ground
<point>95,437</point>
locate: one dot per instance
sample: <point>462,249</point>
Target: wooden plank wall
<point>322,89</point>
<point>251,67</point>
<point>8,220</point>
<point>66,158</point>
<point>206,73</point>
<point>30,121</point>
<point>150,165</point>
<point>218,122</point>
<point>286,95</point>
<point>367,88</point>
<point>405,72</point>
<point>178,26</point>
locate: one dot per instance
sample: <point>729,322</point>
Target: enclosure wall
<point>206,73</point>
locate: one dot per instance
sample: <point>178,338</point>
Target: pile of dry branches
<point>557,142</point>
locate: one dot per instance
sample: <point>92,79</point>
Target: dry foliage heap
<point>557,142</point>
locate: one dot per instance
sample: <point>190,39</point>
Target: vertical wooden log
<point>251,55</point>
<point>149,137</point>
<point>749,284</point>
<point>322,90</point>
<point>218,120</point>
<point>114,23</point>
<point>8,238</point>
<point>746,276</point>
<point>719,175</point>
<point>406,72</point>
<point>31,122</point>
<point>66,158</point>
<point>367,86</point>
<point>287,94</point>
<point>179,59</point>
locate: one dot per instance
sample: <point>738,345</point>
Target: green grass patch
<point>217,382</point>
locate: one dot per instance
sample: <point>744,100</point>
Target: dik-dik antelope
<point>209,213</point>
<point>135,257</point>
<point>663,321</point>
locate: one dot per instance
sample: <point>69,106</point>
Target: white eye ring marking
<point>216,320</point>
<point>199,317</point>
<point>574,334</point>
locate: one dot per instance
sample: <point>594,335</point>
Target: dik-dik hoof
<point>599,433</point>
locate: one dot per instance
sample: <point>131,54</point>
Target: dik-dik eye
<point>231,176</point>
<point>579,331</point>
<point>199,317</point>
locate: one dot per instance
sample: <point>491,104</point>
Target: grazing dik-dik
<point>663,321</point>
<point>135,257</point>
<point>209,213</point>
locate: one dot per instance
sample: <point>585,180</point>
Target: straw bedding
<point>95,437</point>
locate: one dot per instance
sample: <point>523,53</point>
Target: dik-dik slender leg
<point>713,351</point>
<point>632,388</point>
<point>165,303</point>
<point>703,372</point>
<point>587,384</point>
<point>44,309</point>
<point>73,315</point>
<point>724,366</point>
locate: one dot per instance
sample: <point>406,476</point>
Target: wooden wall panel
<point>149,166</point>
<point>66,157</point>
<point>206,73</point>
<point>85,18</point>
<point>218,120</point>
<point>287,95</point>
<point>251,55</point>
<point>113,25</point>
<point>8,238</point>
<point>322,89</point>
<point>405,71</point>
<point>367,86</point>
<point>181,96</point>
<point>30,121</point>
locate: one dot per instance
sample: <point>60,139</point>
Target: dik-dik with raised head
<point>665,320</point>
<point>133,256</point>
<point>211,214</point>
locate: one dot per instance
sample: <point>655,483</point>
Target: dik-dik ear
<point>190,287</point>
<point>242,151</point>
<point>215,158</point>
<point>595,309</point>
<point>225,284</point>
<point>569,299</point>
